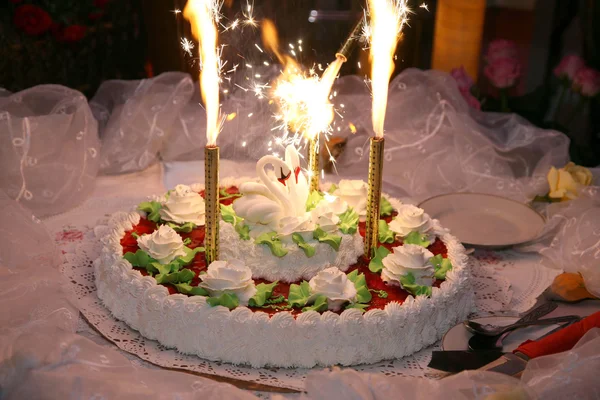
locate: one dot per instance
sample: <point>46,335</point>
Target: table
<point>519,278</point>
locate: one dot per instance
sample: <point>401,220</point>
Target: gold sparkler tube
<point>211,203</point>
<point>374,194</point>
<point>346,50</point>
<point>313,163</point>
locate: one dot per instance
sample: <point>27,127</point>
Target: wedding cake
<point>291,287</point>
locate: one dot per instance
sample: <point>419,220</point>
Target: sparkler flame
<point>387,19</point>
<point>203,16</point>
<point>303,98</point>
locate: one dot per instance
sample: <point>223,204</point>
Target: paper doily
<point>493,293</point>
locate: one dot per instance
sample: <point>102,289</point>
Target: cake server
<point>514,363</point>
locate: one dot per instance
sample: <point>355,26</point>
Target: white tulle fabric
<point>135,118</point>
<point>49,148</point>
<point>572,236</point>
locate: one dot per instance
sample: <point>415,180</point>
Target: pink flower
<point>461,77</point>
<point>501,48</point>
<point>503,72</point>
<point>569,66</point>
<point>587,82</point>
<point>471,100</point>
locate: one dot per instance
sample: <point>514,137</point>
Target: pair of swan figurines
<point>280,195</point>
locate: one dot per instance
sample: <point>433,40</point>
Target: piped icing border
<point>241,336</point>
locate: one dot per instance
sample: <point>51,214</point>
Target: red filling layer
<point>374,282</point>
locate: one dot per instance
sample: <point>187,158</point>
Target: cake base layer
<point>243,336</point>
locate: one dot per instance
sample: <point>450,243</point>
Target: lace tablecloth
<point>505,282</point>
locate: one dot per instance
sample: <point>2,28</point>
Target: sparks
<point>387,20</point>
<point>249,19</point>
<point>203,16</point>
<point>233,25</point>
<point>424,6</point>
<point>258,47</point>
<point>176,11</point>
<point>187,46</point>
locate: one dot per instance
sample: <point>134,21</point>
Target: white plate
<point>483,220</point>
<point>458,337</point>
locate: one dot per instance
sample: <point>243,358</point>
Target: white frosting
<point>164,244</point>
<point>183,205</point>
<point>335,285</point>
<point>289,225</point>
<point>409,258</point>
<point>229,277</point>
<point>240,336</point>
<point>410,218</point>
<point>354,193</point>
<point>295,265</point>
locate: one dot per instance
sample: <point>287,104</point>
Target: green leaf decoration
<point>309,250</point>
<point>328,238</point>
<point>385,233</point>
<point>135,235</point>
<point>360,283</point>
<point>417,238</point>
<point>185,275</point>
<point>271,239</point>
<point>152,208</point>
<point>186,288</point>
<point>361,307</point>
<point>228,300</point>
<point>243,230</point>
<point>263,293</point>
<point>164,269</point>
<point>348,221</point>
<point>139,259</point>
<point>313,199</point>
<point>299,294</point>
<point>189,255</point>
<point>278,307</point>
<point>185,228</point>
<point>229,216</point>
<point>442,266</point>
<point>385,207</point>
<point>408,283</point>
<point>223,195</point>
<point>275,300</point>
<point>332,188</point>
<point>187,241</point>
<point>376,263</point>
<point>382,294</point>
<point>319,305</point>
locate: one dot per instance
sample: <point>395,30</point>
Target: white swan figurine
<point>268,202</point>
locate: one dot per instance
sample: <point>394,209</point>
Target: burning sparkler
<point>387,19</point>
<point>303,100</point>
<point>204,16</point>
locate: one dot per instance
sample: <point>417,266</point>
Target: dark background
<point>133,39</point>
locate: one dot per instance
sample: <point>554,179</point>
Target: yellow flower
<point>565,182</point>
<point>582,175</point>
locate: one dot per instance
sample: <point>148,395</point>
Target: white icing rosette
<point>164,244</point>
<point>354,193</point>
<point>183,205</point>
<point>326,213</point>
<point>335,285</point>
<point>410,218</point>
<point>409,258</point>
<point>302,225</point>
<point>231,276</point>
<point>327,222</point>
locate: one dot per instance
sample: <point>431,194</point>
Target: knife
<point>514,363</point>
